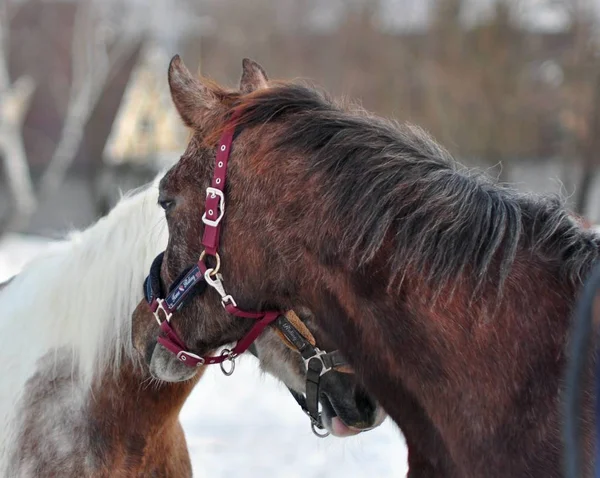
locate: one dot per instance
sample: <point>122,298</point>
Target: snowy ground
<point>248,425</point>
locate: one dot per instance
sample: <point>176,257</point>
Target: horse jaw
<point>166,367</point>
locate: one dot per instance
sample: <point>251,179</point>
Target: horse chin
<point>336,426</point>
<point>165,366</point>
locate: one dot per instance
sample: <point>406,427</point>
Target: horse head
<point>203,324</point>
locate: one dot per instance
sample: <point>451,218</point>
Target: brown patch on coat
<point>125,426</point>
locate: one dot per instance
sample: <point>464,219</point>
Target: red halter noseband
<point>214,210</point>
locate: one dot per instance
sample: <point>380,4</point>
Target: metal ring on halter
<point>215,269</point>
<point>231,359</point>
<point>314,427</point>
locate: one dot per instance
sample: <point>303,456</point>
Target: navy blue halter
<point>189,284</point>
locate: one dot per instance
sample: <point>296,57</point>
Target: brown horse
<point>77,398</point>
<point>450,295</point>
<point>347,409</point>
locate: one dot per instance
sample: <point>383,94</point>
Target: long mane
<point>81,293</point>
<point>392,183</point>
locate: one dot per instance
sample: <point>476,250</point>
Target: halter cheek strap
<point>214,208</point>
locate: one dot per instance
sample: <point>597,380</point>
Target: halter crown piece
<point>200,275</point>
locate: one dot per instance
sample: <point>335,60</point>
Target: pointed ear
<point>253,77</point>
<point>192,97</point>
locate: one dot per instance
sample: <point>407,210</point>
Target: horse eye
<point>166,204</point>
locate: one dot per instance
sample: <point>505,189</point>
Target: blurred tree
<point>71,52</point>
<point>480,89</point>
<point>14,103</point>
<point>580,111</point>
<point>96,53</point>
<point>590,148</point>
<point>488,83</point>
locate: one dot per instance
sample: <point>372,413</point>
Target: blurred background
<point>512,86</point>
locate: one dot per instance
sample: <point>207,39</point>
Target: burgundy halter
<point>197,278</point>
<point>214,211</point>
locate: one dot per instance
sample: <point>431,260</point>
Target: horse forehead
<point>195,160</point>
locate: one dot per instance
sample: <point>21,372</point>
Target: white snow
<point>248,425</point>
<point>16,251</point>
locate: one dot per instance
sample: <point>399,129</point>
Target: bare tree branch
<point>591,152</point>
<point>14,104</point>
<point>92,66</point>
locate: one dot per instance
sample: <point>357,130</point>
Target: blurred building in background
<point>147,128</point>
<point>512,86</point>
<point>146,135</point>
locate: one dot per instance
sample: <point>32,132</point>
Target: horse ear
<point>253,78</point>
<point>192,96</point>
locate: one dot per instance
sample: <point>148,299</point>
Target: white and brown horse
<point>76,397</point>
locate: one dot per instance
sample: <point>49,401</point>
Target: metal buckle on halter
<point>160,307</point>
<point>182,357</point>
<point>214,192</point>
<point>229,299</point>
<point>319,354</point>
<point>216,283</point>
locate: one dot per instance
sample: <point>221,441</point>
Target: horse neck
<point>467,362</point>
<point>138,419</point>
<point>122,424</point>
<point>132,403</point>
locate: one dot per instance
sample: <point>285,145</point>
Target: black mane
<point>385,179</point>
